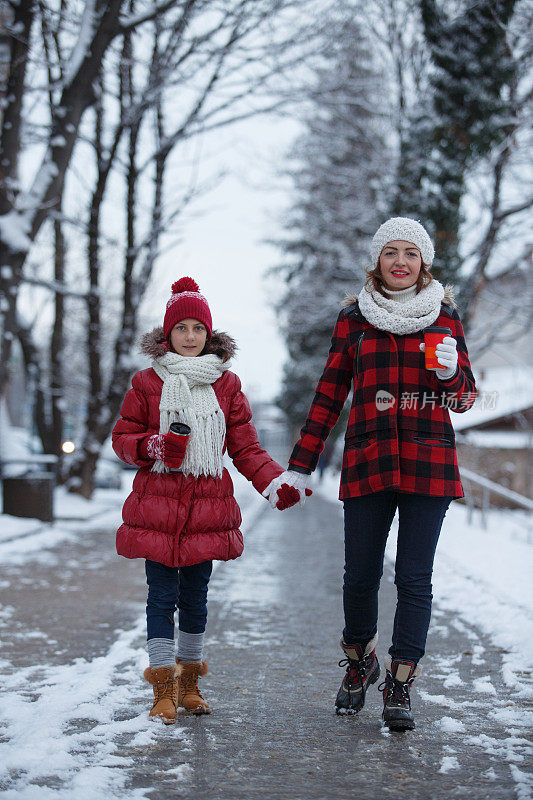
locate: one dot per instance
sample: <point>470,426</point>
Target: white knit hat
<point>406,230</point>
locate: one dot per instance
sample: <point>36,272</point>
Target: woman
<point>399,453</point>
<point>176,422</point>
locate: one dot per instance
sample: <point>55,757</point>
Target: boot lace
<point>165,690</point>
<point>190,683</point>
<point>396,692</point>
<point>356,670</point>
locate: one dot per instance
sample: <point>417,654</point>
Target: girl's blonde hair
<point>375,281</point>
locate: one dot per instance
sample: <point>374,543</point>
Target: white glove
<point>298,480</point>
<point>447,356</point>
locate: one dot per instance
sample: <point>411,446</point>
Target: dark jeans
<point>170,588</point>
<point>367,521</point>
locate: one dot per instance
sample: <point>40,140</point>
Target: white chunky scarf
<point>188,396</point>
<point>390,315</point>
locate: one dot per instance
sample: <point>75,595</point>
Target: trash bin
<point>30,495</point>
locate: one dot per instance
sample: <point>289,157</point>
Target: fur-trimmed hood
<point>448,299</point>
<point>154,344</point>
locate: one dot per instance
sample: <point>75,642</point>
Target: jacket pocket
<point>359,440</point>
<point>442,440</point>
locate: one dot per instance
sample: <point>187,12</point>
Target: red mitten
<point>147,446</point>
<point>168,448</point>
<point>289,496</point>
<point>174,445</point>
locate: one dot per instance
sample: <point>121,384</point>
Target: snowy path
<point>74,706</point>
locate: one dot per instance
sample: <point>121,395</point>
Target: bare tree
<point>155,76</point>
<point>396,29</point>
<point>504,168</point>
<point>22,213</point>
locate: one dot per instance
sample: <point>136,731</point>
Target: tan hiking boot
<point>189,696</point>
<point>165,684</point>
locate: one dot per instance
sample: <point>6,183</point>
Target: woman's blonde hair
<point>375,281</point>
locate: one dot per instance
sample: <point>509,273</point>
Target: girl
<point>181,514</point>
<point>399,453</point>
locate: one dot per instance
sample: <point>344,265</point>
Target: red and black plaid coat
<point>399,433</point>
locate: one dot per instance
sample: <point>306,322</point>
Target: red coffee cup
<point>181,431</point>
<point>432,337</point>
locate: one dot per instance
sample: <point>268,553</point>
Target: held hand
<point>447,356</point>
<point>287,489</point>
<point>289,496</point>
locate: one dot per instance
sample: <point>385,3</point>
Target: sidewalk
<point>74,703</point>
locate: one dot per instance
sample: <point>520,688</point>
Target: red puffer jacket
<point>181,520</point>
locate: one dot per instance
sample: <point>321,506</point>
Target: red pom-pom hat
<point>186,302</point>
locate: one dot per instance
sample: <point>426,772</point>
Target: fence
<point>487,486</point>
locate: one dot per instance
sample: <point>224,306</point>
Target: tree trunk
<point>24,14</point>
<point>82,475</point>
<point>49,181</point>
<point>57,343</point>
<point>23,17</point>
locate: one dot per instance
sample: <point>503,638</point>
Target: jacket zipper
<point>358,353</point>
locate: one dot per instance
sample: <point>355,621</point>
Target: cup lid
<point>180,428</point>
<point>437,329</point>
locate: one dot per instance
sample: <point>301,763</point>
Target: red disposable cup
<point>432,337</point>
<point>181,430</point>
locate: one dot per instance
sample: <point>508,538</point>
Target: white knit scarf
<point>188,396</point>
<point>388,314</point>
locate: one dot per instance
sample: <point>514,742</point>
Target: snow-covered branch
<point>61,288</point>
<point>81,49</point>
<point>516,209</point>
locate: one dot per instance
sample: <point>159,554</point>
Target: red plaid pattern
<point>399,433</point>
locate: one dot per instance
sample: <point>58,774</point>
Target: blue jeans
<point>170,588</point>
<point>367,521</point>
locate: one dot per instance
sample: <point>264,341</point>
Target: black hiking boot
<point>397,714</point>
<point>362,669</point>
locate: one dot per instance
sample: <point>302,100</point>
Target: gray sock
<point>160,652</point>
<point>190,646</point>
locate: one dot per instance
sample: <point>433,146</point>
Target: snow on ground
<point>77,706</point>
<point>484,575</point>
<point>20,536</point>
<point>68,508</point>
<point>65,721</point>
